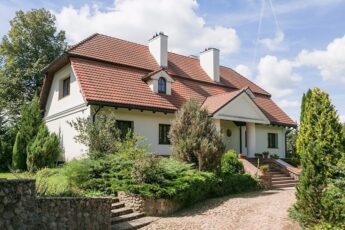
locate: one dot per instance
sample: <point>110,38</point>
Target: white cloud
<point>277,76</point>
<point>330,62</point>
<point>286,104</point>
<point>137,21</point>
<point>274,44</point>
<point>342,118</point>
<point>244,71</point>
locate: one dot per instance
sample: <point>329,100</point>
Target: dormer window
<point>159,82</point>
<point>162,85</point>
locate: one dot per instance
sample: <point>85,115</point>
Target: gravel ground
<point>257,210</point>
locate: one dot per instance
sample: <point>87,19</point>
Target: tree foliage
<point>19,152</point>
<point>29,122</point>
<point>194,137</point>
<point>31,44</point>
<point>44,150</point>
<point>101,136</point>
<point>320,142</point>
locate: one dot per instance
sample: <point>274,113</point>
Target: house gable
<point>56,104</point>
<point>241,108</point>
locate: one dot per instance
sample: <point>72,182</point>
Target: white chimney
<point>158,46</point>
<point>209,61</point>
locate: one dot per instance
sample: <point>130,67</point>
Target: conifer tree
<point>29,123</point>
<point>319,141</point>
<point>19,152</point>
<point>195,138</point>
<point>44,150</point>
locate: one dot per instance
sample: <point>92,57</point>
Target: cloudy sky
<point>284,46</point>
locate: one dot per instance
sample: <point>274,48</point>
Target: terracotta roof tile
<point>111,71</point>
<point>214,103</point>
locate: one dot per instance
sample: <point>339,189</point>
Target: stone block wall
<point>21,209</point>
<point>150,206</point>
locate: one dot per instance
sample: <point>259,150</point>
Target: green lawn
<point>15,176</point>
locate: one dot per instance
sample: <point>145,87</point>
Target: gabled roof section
<point>113,50</point>
<point>237,105</point>
<point>157,74</point>
<point>113,72</point>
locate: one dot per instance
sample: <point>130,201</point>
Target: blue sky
<point>284,46</point>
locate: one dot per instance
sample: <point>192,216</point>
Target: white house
<point>144,86</point>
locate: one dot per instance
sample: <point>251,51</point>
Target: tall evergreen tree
<point>32,43</point>
<point>29,123</point>
<point>319,143</point>
<point>19,152</point>
<point>194,137</point>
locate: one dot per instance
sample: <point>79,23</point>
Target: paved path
<point>257,210</point>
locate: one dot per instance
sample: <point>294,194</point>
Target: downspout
<point>94,115</point>
<point>240,139</point>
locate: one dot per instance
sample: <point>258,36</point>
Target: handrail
<point>296,172</point>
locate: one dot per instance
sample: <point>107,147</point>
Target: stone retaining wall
<point>150,206</point>
<point>21,209</point>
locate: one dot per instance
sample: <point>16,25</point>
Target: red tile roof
<point>214,103</point>
<point>111,71</point>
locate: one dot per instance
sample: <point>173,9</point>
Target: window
<point>162,85</point>
<point>273,140</point>
<point>163,134</point>
<point>125,127</point>
<point>66,87</point>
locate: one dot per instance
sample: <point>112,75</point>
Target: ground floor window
<point>164,134</point>
<point>125,127</point>
<point>273,140</point>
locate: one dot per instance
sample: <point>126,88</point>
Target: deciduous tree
<point>31,43</point>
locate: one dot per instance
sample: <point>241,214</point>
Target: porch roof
<point>238,105</point>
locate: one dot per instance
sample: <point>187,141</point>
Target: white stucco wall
<point>242,108</point>
<point>56,105</point>
<point>59,111</point>
<point>146,124</point>
<point>232,142</point>
<point>66,133</point>
<point>262,139</point>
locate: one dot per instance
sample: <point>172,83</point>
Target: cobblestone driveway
<point>259,210</point>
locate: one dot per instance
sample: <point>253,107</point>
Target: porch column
<point>251,139</point>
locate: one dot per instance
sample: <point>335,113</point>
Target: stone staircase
<point>126,219</point>
<point>280,180</point>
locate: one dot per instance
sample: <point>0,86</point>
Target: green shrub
<point>230,164</point>
<point>52,182</point>
<point>232,184</point>
<point>100,135</point>
<point>43,151</point>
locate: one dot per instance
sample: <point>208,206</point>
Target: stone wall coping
<point>16,181</point>
<point>73,198</point>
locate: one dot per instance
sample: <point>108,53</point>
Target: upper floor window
<point>162,85</point>
<point>273,140</point>
<point>65,87</point>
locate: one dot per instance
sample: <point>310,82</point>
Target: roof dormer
<point>159,82</point>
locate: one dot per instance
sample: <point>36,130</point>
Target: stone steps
<point>124,218</point>
<point>280,180</point>
<point>127,217</point>
<point>134,224</point>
